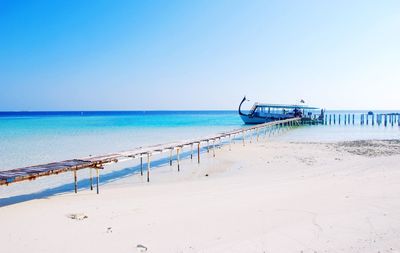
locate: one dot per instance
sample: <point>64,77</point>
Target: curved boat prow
<point>240,105</point>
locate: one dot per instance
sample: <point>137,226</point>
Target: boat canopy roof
<point>285,106</point>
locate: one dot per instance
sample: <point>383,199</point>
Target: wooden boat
<point>262,113</point>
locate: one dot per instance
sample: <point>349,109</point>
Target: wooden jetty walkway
<point>384,119</point>
<point>97,163</point>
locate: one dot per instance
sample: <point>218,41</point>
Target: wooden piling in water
<point>330,119</point>
<point>191,151</point>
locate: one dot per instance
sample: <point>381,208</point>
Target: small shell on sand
<point>77,216</point>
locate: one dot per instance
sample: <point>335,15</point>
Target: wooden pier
<point>97,163</point>
<point>385,119</point>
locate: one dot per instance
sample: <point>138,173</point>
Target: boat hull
<point>256,120</point>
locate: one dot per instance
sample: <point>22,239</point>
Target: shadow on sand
<point>85,183</point>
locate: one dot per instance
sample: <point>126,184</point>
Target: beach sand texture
<point>269,196</point>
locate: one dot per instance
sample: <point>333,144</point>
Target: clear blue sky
<point>135,55</point>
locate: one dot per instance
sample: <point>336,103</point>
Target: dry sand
<point>265,197</point>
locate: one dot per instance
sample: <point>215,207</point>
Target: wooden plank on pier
<point>32,172</point>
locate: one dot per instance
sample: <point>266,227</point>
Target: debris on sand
<point>77,216</point>
<point>141,248</point>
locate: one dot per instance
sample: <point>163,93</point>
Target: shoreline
<point>273,196</point>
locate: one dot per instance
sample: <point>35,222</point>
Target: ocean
<point>31,138</point>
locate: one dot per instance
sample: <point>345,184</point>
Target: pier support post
<point>170,156</point>
<point>330,119</point>
<point>198,152</point>
<point>257,134</point>
<point>141,165</point>
<point>213,147</point>
<point>75,182</point>
<point>334,119</point>
<point>208,146</point>
<point>191,151</point>
<point>177,158</point>
<point>148,167</point>
<point>91,179</point>
<point>97,180</point>
<point>353,119</point>
<point>345,119</point>
<point>339,119</point>
<point>367,118</point>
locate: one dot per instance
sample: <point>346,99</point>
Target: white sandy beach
<point>266,197</point>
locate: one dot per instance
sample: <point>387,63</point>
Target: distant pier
<point>384,119</point>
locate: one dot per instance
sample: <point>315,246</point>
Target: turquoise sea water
<point>28,138</point>
<point>34,138</point>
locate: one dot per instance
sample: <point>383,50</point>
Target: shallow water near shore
<point>34,138</point>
